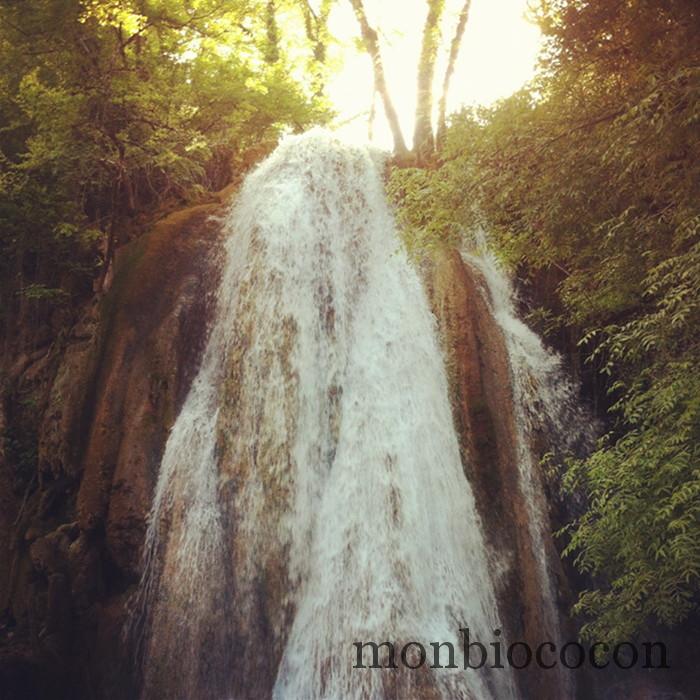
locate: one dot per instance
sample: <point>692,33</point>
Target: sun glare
<point>498,55</point>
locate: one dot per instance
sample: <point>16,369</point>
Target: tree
<point>112,109</point>
<point>423,141</point>
<point>423,137</point>
<point>449,71</point>
<point>316,27</point>
<point>371,41</point>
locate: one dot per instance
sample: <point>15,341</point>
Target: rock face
<point>105,397</point>
<point>70,541</point>
<point>482,398</point>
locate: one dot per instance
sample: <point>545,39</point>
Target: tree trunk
<point>423,141</point>
<point>371,41</point>
<point>316,28</point>
<point>449,71</point>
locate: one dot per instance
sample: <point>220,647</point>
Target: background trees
<point>592,177</point>
<point>109,110</point>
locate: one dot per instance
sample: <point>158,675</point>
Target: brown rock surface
<point>71,535</point>
<point>107,394</point>
<point>480,382</point>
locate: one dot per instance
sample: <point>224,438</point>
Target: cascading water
<point>545,401</point>
<point>546,395</point>
<point>312,493</point>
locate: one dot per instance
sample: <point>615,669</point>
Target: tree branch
<point>449,71</point>
<point>371,41</point>
<point>423,141</point>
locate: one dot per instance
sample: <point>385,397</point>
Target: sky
<point>498,55</point>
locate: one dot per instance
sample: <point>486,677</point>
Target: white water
<point>315,456</point>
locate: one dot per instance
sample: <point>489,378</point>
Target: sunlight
<point>498,56</point>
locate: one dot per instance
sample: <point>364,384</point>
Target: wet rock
<point>49,554</point>
<point>482,401</point>
<point>640,688</point>
<point>60,436</point>
<point>153,324</point>
<point>105,396</point>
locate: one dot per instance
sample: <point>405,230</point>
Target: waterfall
<point>312,492</point>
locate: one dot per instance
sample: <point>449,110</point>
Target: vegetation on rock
<point>113,110</point>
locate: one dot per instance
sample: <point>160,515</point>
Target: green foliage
<point>643,523</point>
<point>41,292</point>
<point>425,211</point>
<point>594,172</point>
<point>110,109</point>
<point>641,526</point>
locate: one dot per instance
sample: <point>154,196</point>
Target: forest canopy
<point>109,110</point>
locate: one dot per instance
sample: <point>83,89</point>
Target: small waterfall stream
<point>544,399</point>
<point>312,492</point>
